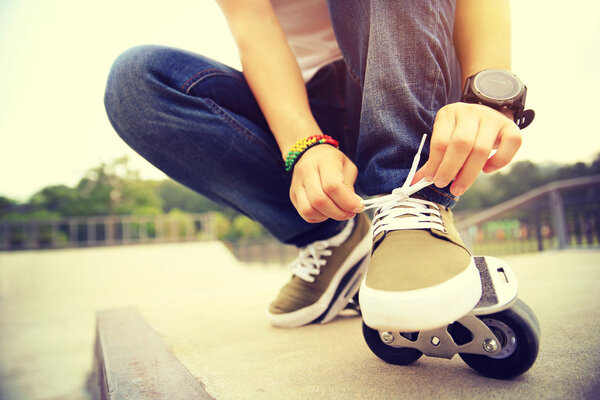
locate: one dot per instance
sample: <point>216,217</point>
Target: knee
<point>130,87</point>
<point>126,79</point>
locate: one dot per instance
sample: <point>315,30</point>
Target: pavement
<point>209,310</point>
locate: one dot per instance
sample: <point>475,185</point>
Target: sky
<point>55,56</point>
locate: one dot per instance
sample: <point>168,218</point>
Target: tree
<point>7,206</point>
<point>246,228</point>
<point>116,189</point>
<point>175,195</point>
<point>57,199</point>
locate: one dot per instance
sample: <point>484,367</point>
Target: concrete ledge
<point>134,363</point>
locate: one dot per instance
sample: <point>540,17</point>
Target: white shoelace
<point>398,211</point>
<point>310,259</point>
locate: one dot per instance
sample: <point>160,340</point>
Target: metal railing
<point>104,231</point>
<point>558,215</point>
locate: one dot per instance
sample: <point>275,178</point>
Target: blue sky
<point>56,55</point>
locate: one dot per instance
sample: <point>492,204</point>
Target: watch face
<point>496,84</point>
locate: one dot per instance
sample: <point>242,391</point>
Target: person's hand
<point>463,138</point>
<point>323,185</point>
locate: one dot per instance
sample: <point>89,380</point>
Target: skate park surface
<point>208,309</point>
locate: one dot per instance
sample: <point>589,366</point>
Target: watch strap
<point>524,118</point>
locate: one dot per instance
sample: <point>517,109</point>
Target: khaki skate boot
<point>326,276</point>
<point>421,275</point>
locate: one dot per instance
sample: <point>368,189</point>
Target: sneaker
<point>421,275</point>
<point>326,276</point>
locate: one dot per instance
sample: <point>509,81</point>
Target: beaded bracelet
<point>304,144</point>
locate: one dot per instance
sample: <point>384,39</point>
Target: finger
<point>333,184</point>
<point>350,174</point>
<point>459,148</point>
<point>510,142</point>
<point>445,121</point>
<point>305,209</point>
<point>320,201</point>
<point>421,174</point>
<point>476,159</point>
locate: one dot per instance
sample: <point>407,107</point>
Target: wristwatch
<point>501,90</point>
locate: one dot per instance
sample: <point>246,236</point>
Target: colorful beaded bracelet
<point>304,144</point>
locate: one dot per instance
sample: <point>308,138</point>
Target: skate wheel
<point>389,354</point>
<point>518,332</point>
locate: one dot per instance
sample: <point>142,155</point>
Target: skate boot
<point>326,276</point>
<point>421,276</point>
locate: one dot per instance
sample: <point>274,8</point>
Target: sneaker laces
<point>309,260</point>
<point>398,211</point>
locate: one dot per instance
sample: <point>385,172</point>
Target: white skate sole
<point>421,309</point>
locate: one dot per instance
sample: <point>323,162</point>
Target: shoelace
<point>397,211</point>
<point>309,261</point>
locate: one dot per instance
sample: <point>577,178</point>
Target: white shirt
<point>308,29</point>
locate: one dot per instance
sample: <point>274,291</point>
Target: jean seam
<point>200,76</point>
<point>228,119</point>
<point>444,194</point>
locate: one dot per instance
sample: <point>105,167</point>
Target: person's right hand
<point>323,185</point>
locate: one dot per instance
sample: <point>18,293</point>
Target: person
<point>340,94</point>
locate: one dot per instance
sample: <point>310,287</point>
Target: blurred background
<point>60,158</point>
<point>68,181</point>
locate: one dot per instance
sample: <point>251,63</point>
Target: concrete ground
<point>209,309</point>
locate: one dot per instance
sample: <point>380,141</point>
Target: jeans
<point>197,120</point>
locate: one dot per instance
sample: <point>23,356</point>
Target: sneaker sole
<point>421,309</point>
<point>345,292</point>
<point>344,285</point>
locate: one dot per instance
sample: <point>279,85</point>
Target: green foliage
<point>116,189</point>
<point>245,228</point>
<point>175,195</point>
<point>7,206</point>
<point>146,210</point>
<point>109,189</point>
<point>37,214</point>
<point>58,199</point>
<point>222,226</point>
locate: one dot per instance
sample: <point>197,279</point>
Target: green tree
<point>176,195</point>
<point>57,199</point>
<point>7,206</point>
<point>222,226</point>
<point>116,189</point>
<point>244,227</point>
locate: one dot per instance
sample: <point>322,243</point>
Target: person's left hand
<point>463,138</point>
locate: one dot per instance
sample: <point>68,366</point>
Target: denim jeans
<point>197,120</point>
